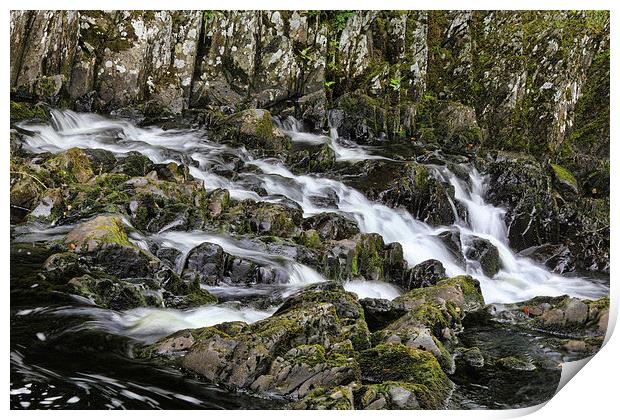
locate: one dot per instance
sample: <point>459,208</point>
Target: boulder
<point>397,362</point>
<point>561,315</point>
<point>483,251</point>
<point>557,257</point>
<point>425,274</point>
<point>255,130</point>
<point>308,343</point>
<point>206,264</point>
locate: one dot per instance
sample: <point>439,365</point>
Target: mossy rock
<point>564,180</point>
<point>21,111</point>
<point>97,233</point>
<point>396,362</point>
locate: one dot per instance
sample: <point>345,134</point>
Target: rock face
<point>391,73</point>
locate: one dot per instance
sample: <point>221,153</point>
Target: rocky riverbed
<point>284,210</point>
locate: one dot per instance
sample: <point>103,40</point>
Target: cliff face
<point>531,81</point>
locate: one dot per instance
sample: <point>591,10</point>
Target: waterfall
<point>518,279</point>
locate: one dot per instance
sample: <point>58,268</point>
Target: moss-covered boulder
<point>424,274</point>
<point>307,344</point>
<point>21,111</point>
<point>254,129</point>
<point>337,398</point>
<point>564,181</point>
<point>396,362</point>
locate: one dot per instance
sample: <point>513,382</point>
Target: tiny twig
<point>31,176</point>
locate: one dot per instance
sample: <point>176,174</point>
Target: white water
<point>151,324</point>
<point>519,278</point>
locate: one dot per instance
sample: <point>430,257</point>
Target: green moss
<point>25,111</point>
<point>311,239</point>
<point>200,297</point>
<point>396,362</point>
<point>312,355</point>
<point>264,127</point>
<point>564,175</point>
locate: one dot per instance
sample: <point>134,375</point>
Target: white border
<point>590,395</point>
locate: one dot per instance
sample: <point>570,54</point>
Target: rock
<point>219,200</point>
<point>396,362</point>
<point>308,343</point>
<point>521,185</point>
<point>331,226</point>
<point>452,241</point>
<point>24,198</point>
<point>450,124</point>
<point>425,274</point>
<point>472,358</point>
<point>558,258</point>
<point>515,364</point>
<point>483,251</point>
<point>254,129</point>
<point>564,181</point>
<point>338,398</point>
<point>409,185</point>
<point>375,261</point>
<point>206,264</point>
<point>95,234</point>
<point>380,312</point>
<point>311,158</point>
<point>559,315</point>
<point>440,308</point>
<point>23,111</point>
<point>113,294</point>
<point>74,165</point>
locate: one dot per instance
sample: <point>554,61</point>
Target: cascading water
<point>518,279</point>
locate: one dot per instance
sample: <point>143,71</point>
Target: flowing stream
<point>518,279</point>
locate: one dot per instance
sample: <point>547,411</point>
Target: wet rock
<point>104,241</point>
<point>558,258</point>
<point>264,218</point>
<point>113,294</point>
<point>441,308</point>
<point>425,274</point>
<point>338,398</point>
<point>483,251</point>
<point>332,226</point>
<point>452,241</point>
<point>305,368</point>
<point>391,396</point>
<point>373,260</point>
<point>24,196</point>
<point>205,263</point>
<point>23,111</point>
<point>306,344</point>
<point>452,125</point>
<point>411,186</point>
<point>472,358</point>
<point>218,201</point>
<point>564,181</point>
<point>519,183</point>
<point>417,338</point>
<point>311,159</point>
